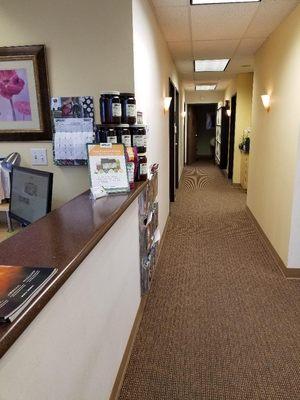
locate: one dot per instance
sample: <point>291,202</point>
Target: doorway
<point>173,140</point>
<point>201,132</point>
<point>232,137</point>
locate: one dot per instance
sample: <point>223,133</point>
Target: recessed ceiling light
<point>202,2</point>
<point>206,86</point>
<point>211,65</point>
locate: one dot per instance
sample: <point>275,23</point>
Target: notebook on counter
<point>18,286</point>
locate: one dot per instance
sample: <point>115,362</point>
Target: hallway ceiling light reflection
<point>211,65</point>
<point>208,86</point>
<point>202,2</point>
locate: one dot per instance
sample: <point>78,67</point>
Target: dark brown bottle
<point>143,167</point>
<point>128,108</point>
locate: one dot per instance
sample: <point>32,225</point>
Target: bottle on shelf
<point>143,167</point>
<point>128,108</point>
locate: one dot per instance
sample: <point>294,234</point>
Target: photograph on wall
<point>72,107</point>
<point>107,165</point>
<point>24,99</point>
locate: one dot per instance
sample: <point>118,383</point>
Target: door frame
<point>173,141</point>
<point>232,136</point>
<point>191,142</point>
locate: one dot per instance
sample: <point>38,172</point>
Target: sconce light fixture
<point>183,114</point>
<point>167,103</point>
<point>227,108</point>
<point>266,100</point>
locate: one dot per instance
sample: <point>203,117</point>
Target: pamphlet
<point>18,286</point>
<point>107,165</point>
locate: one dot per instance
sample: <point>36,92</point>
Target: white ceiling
<point>233,31</point>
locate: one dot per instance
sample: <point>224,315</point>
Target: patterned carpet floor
<point>221,322</point>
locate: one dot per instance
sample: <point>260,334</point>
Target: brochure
<point>18,286</point>
<point>107,165</point>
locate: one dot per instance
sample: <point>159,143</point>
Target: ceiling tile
<point>239,65</point>
<point>214,48</point>
<point>174,22</point>
<point>187,77</point>
<point>269,16</point>
<point>228,21</point>
<point>181,50</point>
<point>249,47</point>
<point>185,66</point>
<point>223,84</point>
<point>170,3</point>
<point>207,76</point>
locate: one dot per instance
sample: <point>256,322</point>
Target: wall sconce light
<point>227,108</point>
<point>266,100</point>
<point>167,103</point>
<point>183,114</point>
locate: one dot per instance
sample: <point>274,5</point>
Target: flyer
<point>107,166</point>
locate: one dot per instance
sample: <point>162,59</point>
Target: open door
<point>201,132</point>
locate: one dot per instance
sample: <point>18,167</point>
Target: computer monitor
<point>30,195</point>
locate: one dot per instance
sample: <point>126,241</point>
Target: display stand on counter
<point>149,231</point>
<point>73,128</point>
<point>108,170</point>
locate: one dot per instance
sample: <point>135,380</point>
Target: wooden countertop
<point>62,240</point>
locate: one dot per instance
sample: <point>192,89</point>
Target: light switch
<point>39,157</point>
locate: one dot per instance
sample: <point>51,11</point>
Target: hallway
<point>221,322</point>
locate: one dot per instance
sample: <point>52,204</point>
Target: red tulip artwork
<point>14,95</point>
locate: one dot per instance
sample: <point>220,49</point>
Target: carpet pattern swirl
<point>221,322</point>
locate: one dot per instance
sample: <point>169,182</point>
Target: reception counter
<point>69,342</point>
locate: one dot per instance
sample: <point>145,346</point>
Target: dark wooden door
<point>173,140</point>
<point>232,137</point>
<point>176,127</point>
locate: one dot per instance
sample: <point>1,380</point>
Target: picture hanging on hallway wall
<point>24,94</point>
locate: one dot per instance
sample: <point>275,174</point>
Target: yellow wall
<point>242,86</point>
<point>89,49</point>
<point>198,97</point>
<point>275,136</point>
<point>243,118</point>
<point>153,66</point>
<point>231,89</point>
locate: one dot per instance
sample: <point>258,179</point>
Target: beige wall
<point>231,89</point>
<point>197,97</point>
<point>244,84</point>
<point>275,137</point>
<point>89,48</point>
<point>152,68</point>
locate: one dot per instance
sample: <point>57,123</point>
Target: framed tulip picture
<point>24,94</point>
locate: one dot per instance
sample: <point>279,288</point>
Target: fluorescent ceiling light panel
<point>208,86</point>
<point>211,65</point>
<point>199,2</point>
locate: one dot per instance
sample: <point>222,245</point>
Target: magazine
<point>18,286</point>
